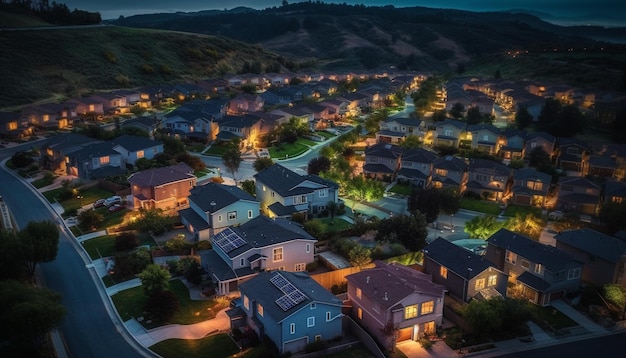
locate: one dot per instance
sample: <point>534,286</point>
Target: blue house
<point>292,309</point>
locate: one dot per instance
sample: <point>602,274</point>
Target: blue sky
<point>565,8</point>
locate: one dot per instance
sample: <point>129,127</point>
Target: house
<point>133,148</point>
<point>394,130</point>
<point>542,140</point>
<point>10,126</point>
<point>604,256</point>
<point>87,107</point>
<point>94,161</point>
<point>463,273</point>
<point>147,124</point>
<point>261,244</point>
<point>337,107</point>
<point>448,133</point>
<point>48,115</point>
<point>614,192</point>
<point>247,128</point>
<point>488,179</point>
<point>416,167</point>
<point>530,187</point>
<point>214,207</point>
<point>573,156</point>
<point>112,103</point>
<point>450,172</point>
<point>538,272</point>
<point>579,195</point>
<point>291,309</point>
<point>396,294</point>
<point>56,149</point>
<point>484,137</point>
<point>196,119</point>
<point>165,188</point>
<point>132,97</point>
<point>244,103</point>
<point>302,114</point>
<point>512,147</point>
<point>283,193</point>
<point>601,165</point>
<point>382,161</point>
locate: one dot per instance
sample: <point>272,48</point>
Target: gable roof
<point>384,150</point>
<point>212,197</point>
<point>261,289</point>
<point>489,167</point>
<point>134,143</point>
<point>543,135</point>
<point>550,257</point>
<point>462,262</point>
<point>598,244</point>
<point>411,122</point>
<point>419,155</point>
<point>450,162</point>
<point>143,121</point>
<point>451,122</point>
<point>388,284</point>
<point>94,150</point>
<point>286,182</point>
<point>161,176</point>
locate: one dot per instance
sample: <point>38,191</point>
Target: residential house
<point>94,161</point>
<point>449,133</point>
<point>618,153</point>
<point>382,161</point>
<point>165,188</point>
<point>274,97</point>
<point>579,195</point>
<point>484,137</point>
<point>132,97</point>
<point>248,129</point>
<point>338,108</point>
<point>614,192</point>
<point>464,274</point>
<point>245,103</point>
<point>394,130</point>
<point>604,256</point>
<point>55,151</point>
<point>87,107</point>
<point>277,79</point>
<point>196,119</point>
<point>416,167</point>
<point>112,103</point>
<point>262,244</point>
<point>542,140</point>
<point>213,86</point>
<point>356,102</point>
<point>283,193</point>
<point>573,156</point>
<point>48,115</point>
<point>512,145</point>
<point>530,187</point>
<point>602,165</point>
<point>450,172</point>
<point>538,272</point>
<point>133,148</point>
<point>396,294</point>
<point>291,309</point>
<point>301,114</point>
<point>214,207</point>
<point>10,126</point>
<point>488,179</point>
<point>145,123</point>
<point>188,92</point>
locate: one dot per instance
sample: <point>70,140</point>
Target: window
<point>323,193</point>
<point>493,280</point>
<point>410,311</point>
<point>318,337</point>
<point>242,262</point>
<point>292,328</point>
<point>191,183</point>
<point>538,268</point>
<point>573,273</point>
<point>443,271</point>
<point>534,185</point>
<point>259,309</point>
<point>273,193</point>
<point>232,215</point>
<point>525,264</point>
<point>511,257</point>
<point>359,313</point>
<point>310,322</point>
<point>358,293</point>
<point>300,199</point>
<point>428,307</point>
<point>105,160</point>
<point>441,172</point>
<point>312,306</point>
<point>246,302</point>
<point>299,267</point>
<point>447,132</point>
<point>219,218</point>
<point>155,151</point>
<point>277,254</point>
<point>308,247</point>
<point>249,214</point>
<point>140,154</point>
<point>328,317</point>
<point>480,284</point>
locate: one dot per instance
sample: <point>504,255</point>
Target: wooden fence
<point>337,277</point>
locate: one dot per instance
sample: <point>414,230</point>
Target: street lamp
<point>451,225</point>
<point>80,198</point>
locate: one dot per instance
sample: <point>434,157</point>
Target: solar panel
<point>279,281</point>
<point>228,240</point>
<point>285,303</point>
<point>291,295</point>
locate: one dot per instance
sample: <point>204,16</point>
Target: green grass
<point>216,150</point>
<point>220,345</point>
<point>105,245</point>
<point>195,148</point>
<point>513,210</point>
<point>402,189</point>
<point>41,182</point>
<point>480,206</point>
<point>324,134</point>
<point>130,302</point>
<point>307,142</point>
<point>287,150</point>
<point>337,226</point>
<point>552,316</point>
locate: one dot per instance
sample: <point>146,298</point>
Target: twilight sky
<point>579,9</point>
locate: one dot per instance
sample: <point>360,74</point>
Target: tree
<point>440,115</point>
<point>409,230</point>
<point>482,318</point>
<point>616,294</point>
<point>162,305</point>
<point>154,278</point>
<point>540,160</point>
<point>549,115</point>
<point>457,110</point>
<point>126,241</point>
<point>191,160</point>
<point>232,157</point>
<point>426,201</point>
<point>449,202</point>
<point>390,331</point>
<point>21,159</point>
<point>27,314</point>
<point>411,141</point>
<point>248,186</point>
<point>529,225</point>
<point>359,256</point>
<point>523,118</point>
<point>473,115</point>
<point>482,227</point>
<point>570,121</point>
<point>314,227</point>
<point>143,164</point>
<point>262,163</point>
<point>39,242</point>
<point>612,215</point>
<point>153,220</point>
<point>497,75</point>
<point>12,262</point>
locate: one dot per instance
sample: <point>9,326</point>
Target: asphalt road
<point>87,330</point>
<point>605,346</point>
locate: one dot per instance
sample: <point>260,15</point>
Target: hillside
<point>57,63</point>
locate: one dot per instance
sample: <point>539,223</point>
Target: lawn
<point>402,189</point>
<point>324,134</point>
<point>552,316</point>
<point>480,206</point>
<point>216,150</point>
<point>41,182</point>
<point>220,345</point>
<point>337,226</point>
<point>287,150</point>
<point>195,148</point>
<point>88,196</point>
<point>105,245</point>
<point>513,210</point>
<point>130,302</point>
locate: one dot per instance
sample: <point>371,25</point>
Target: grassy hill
<point>57,63</point>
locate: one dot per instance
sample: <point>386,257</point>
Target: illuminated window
<point>441,172</point>
<point>105,160</point>
<point>140,154</point>
<point>299,267</point>
<point>410,311</point>
<point>259,309</point>
<point>538,268</point>
<point>443,271</point>
<point>278,254</point>
<point>480,284</point>
<point>511,257</point>
<point>358,293</point>
<point>428,307</point>
<point>246,302</point>
<point>359,313</point>
<point>525,264</point>
<point>493,280</point>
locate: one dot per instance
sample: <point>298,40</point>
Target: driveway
<point>413,349</point>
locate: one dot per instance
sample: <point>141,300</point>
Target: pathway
<point>578,317</point>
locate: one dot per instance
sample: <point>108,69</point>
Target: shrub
<point>312,266</point>
<point>426,343</point>
<point>126,241</point>
<point>314,227</point>
<point>162,305</point>
<point>315,346</point>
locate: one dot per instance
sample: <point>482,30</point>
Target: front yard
<point>481,206</point>
<point>513,210</point>
<point>104,246</point>
<point>338,225</point>
<point>288,150</point>
<point>402,189</point>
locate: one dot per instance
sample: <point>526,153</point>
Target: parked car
<point>98,203</point>
<point>116,199</point>
<point>116,207</point>
<point>556,215</point>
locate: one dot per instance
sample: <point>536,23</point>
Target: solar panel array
<point>291,295</point>
<point>228,240</point>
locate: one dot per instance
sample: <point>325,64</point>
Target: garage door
<point>556,295</point>
<point>522,200</point>
<point>405,334</point>
<point>296,346</point>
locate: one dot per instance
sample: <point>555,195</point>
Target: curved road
<point>90,329</point>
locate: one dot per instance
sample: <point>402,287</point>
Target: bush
<point>126,242</point>
<point>341,288</point>
<point>426,343</point>
<point>162,305</point>
<point>314,227</point>
<point>312,266</point>
<point>315,346</point>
